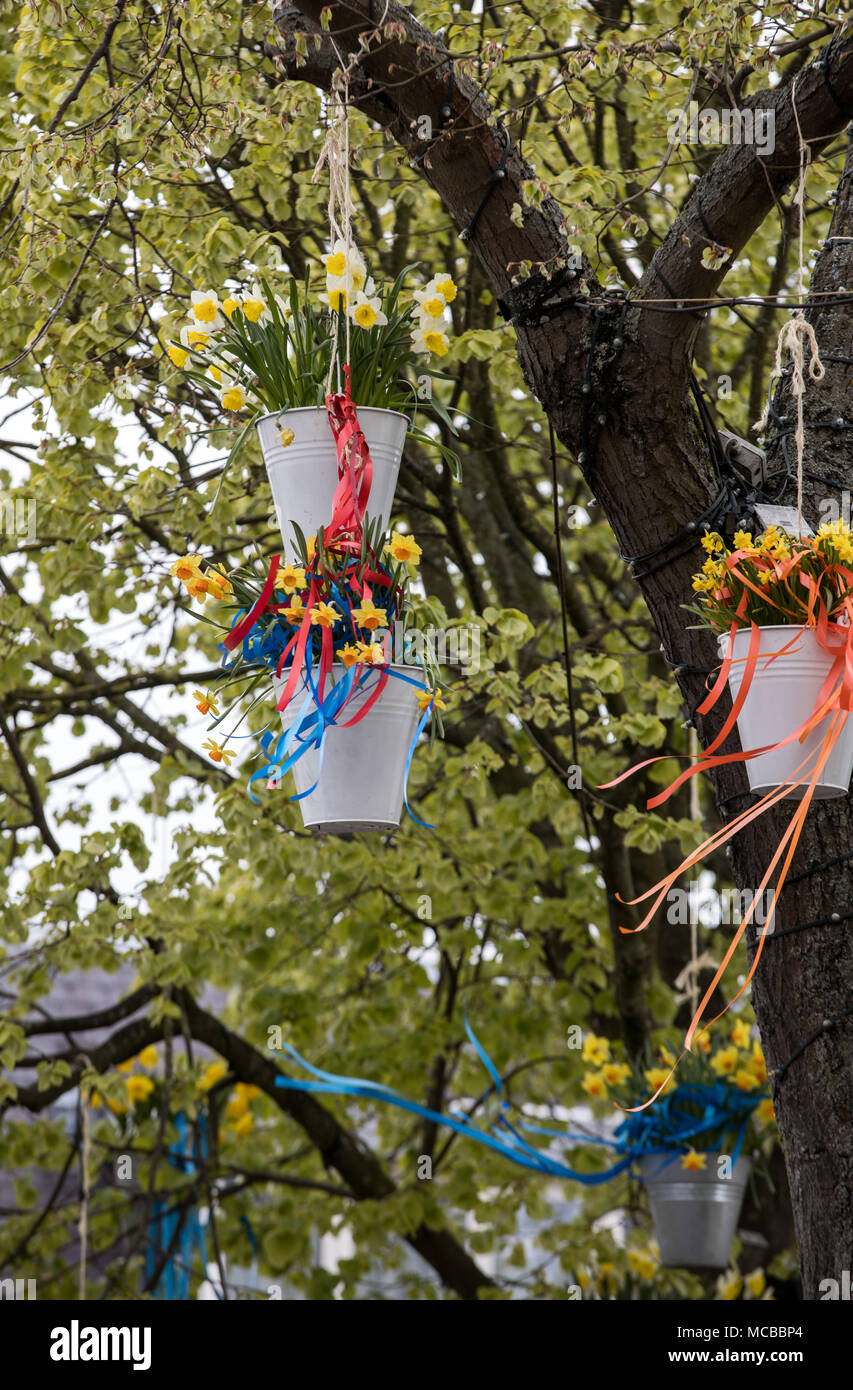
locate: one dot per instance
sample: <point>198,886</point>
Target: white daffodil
<point>254,305</point>
<point>367,312</point>
<point>195,338</point>
<point>432,302</point>
<point>430,339</point>
<point>232,396</point>
<point>205,308</point>
<point>338,291</point>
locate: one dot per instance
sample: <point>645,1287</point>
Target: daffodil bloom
<point>126,1066</point>
<point>217,752</point>
<point>116,1107</point>
<point>336,265</point>
<point>367,312</point>
<point>243,1088</point>
<point>232,397</point>
<point>595,1050</point>
<point>216,373</point>
<point>324,615</point>
<point>195,338</point>
<point>348,655</point>
<point>740,1033</point>
<point>404,549</point>
<point>186,568</point>
<point>336,293</point>
<point>237,1107</point>
<point>197,588</point>
<point>430,340</point>
<point>244,1126</point>
<point>703,1042</point>
<point>694,1163</point>
<point>656,1076</point>
<point>433,308</point>
<point>743,540</point>
<point>229,305</point>
<point>765,1112</point>
<point>429,699</point>
<point>369,616</point>
<point>756,1282</point>
<point>205,306</point>
<point>594,1086</point>
<point>370,654</point>
<point>729,1286</point>
<point>290,577</point>
<point>746,1080</point>
<point>615,1073</point>
<point>287,437</point>
<point>254,305</point>
<point>725,1061</point>
<point>148,1057</point>
<point>139,1088</point>
<point>643,1263</point>
<point>177,354</point>
<point>218,581</point>
<point>206,703</point>
<point>446,288</point>
<point>295,610</point>
<point>213,1072</point>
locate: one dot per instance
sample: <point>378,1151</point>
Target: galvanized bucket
<point>695,1213</point>
<point>304,473</point>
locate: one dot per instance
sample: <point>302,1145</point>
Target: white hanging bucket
<point>361,783</point>
<point>781,697</point>
<point>304,474</point>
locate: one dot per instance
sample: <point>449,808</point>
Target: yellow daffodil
<point>430,700</point>
<point>295,610</point>
<point>370,654</point>
<point>195,338</point>
<point>711,542</point>
<point>205,306</point>
<point>740,1033</point>
<point>746,1080</point>
<point>243,1126</point>
<point>404,549</point>
<point>218,582</point>
<point>178,355</point>
<point>765,1112</point>
<point>446,288</point>
<point>237,1107</point>
<point>116,1107</point>
<point>186,568</point>
<point>148,1057</point>
<point>139,1088</point>
<point>643,1263</point>
<point>729,1286</point>
<point>595,1050</point>
<point>127,1066</point>
<point>369,616</point>
<point>287,437</point>
<point>336,265</point>
<point>206,704</point>
<point>594,1085</point>
<point>214,1072</point>
<point>217,752</point>
<point>254,307</point>
<point>656,1076</point>
<point>366,308</point>
<point>703,1043</point>
<point>432,340</point>
<point>229,305</point>
<point>348,655</point>
<point>243,1088</point>
<point>725,1061</point>
<point>337,296</point>
<point>615,1073</point>
<point>197,588</point>
<point>290,577</point>
<point>756,1282</point>
<point>694,1163</point>
<point>743,540</point>
<point>233,397</point>
<point>324,615</point>
<point>757,1064</point>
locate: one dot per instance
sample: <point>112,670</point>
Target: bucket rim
<point>314,409</point>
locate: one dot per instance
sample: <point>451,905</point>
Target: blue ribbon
<point>174,1281</point>
<point>669,1126</point>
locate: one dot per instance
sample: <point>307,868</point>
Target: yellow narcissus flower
<point>324,615</point>
<point>287,437</point>
<point>765,1112</point>
<point>725,1061</point>
<point>369,616</point>
<point>233,397</point>
<point>218,753</point>
<point>148,1057</point>
<point>404,549</point>
<point>594,1085</point>
<point>337,296</point>
<point>656,1076</point>
<point>187,568</point>
<point>756,1282</point>
<point>195,338</point>
<point>595,1050</point>
<point>743,540</point>
<point>430,340</point>
<point>178,355</point>
<point>711,541</point>
<point>237,1107</point>
<point>205,306</point>
<point>243,1126</point>
<point>746,1080</point>
<point>694,1163</point>
<point>243,1088</point>
<point>217,581</point>
<point>446,288</point>
<point>336,265</point>
<point>206,704</point>
<point>126,1067</point>
<point>349,655</point>
<point>290,577</point>
<point>295,610</point>
<point>197,588</point>
<point>214,1072</point>
<point>139,1088</point>
<point>729,1286</point>
<point>757,1064</point>
<point>703,1042</point>
<point>253,305</point>
<point>116,1107</point>
<point>370,654</point>
<point>229,305</point>
<point>430,700</point>
<point>643,1263</point>
<point>615,1073</point>
<point>740,1033</point>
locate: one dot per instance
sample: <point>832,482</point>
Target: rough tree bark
<point>637,443</point>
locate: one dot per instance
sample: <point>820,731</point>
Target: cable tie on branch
<point>828,1023</point>
<point>498,175</point>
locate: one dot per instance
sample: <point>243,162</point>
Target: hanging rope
<point>797,331</point>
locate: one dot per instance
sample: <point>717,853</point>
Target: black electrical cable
<point>497,176</point>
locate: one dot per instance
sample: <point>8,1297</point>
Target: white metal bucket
<point>695,1214</point>
<point>361,783</point>
<point>304,474</point>
<point>781,697</point>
